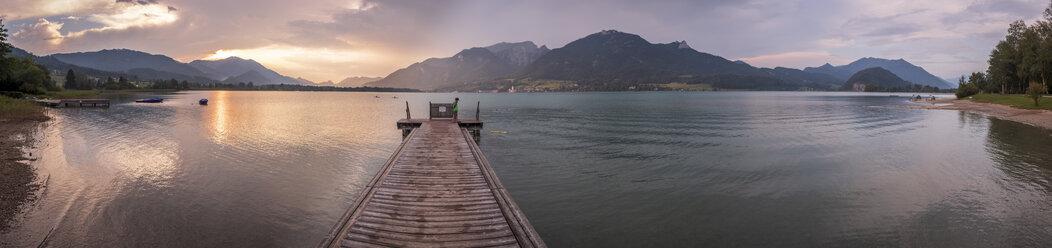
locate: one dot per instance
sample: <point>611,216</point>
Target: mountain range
<point>145,66</point>
<point>614,60</point>
<point>607,60</point>
<point>899,67</point>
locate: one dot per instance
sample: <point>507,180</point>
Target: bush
<point>12,94</point>
<point>966,90</point>
<point>1035,91</point>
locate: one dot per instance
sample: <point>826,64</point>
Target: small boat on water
<point>203,101</point>
<point>49,102</point>
<point>150,100</point>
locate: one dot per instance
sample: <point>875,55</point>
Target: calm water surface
<point>276,169</point>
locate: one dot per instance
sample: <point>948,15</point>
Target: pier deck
<point>437,190</point>
<point>74,102</point>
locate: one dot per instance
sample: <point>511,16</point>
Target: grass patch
<point>1016,101</point>
<point>15,109</point>
<point>71,94</point>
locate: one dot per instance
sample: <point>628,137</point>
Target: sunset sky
<point>333,39</point>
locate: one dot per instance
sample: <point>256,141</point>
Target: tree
<point>5,48</point>
<point>71,80</point>
<point>1036,91</point>
<point>979,80</point>
<point>965,88</point>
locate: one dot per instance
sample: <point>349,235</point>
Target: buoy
<point>500,132</point>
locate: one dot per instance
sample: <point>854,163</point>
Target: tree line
<point>1023,57</point>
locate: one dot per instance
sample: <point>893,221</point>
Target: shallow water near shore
<point>277,169</point>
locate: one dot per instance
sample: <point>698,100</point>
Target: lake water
<point>277,169</point>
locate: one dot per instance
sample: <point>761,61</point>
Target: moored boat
<point>203,101</point>
<point>150,100</point>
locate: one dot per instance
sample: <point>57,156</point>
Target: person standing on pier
<point>455,101</point>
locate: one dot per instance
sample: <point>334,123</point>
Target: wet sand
<point>1035,117</point>
<point>17,177</point>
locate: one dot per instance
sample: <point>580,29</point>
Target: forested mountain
<point>899,67</point>
<point>145,66</point>
<point>467,66</point>
<point>518,54</point>
<point>875,79</point>
<point>54,64</point>
<point>613,60</point>
<point>123,60</point>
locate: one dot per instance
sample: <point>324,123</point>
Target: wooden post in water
<point>407,116</point>
<point>477,104</point>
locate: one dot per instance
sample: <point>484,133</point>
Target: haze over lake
<point>798,169</point>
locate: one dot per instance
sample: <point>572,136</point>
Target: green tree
<point>1002,67</point>
<point>1036,91</point>
<point>71,80</point>
<point>979,79</point>
<point>5,48</point>
<point>965,89</point>
<point>21,74</point>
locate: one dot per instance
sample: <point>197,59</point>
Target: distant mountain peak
<point>518,54</point>
<point>237,68</point>
<point>682,45</point>
<point>233,58</point>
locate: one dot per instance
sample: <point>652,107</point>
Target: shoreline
<point>1033,117</point>
<point>18,177</point>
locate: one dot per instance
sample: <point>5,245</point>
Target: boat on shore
<point>150,100</point>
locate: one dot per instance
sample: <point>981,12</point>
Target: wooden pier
<point>437,190</point>
<point>74,102</point>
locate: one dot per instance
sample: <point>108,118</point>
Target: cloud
<point>792,59</point>
<point>42,36</point>
<point>834,43</point>
<point>139,15</point>
<point>30,9</point>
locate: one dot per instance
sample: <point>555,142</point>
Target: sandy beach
<point>1035,117</point>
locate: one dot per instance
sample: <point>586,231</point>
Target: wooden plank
<point>384,235</point>
<point>437,190</point>
<point>401,243</point>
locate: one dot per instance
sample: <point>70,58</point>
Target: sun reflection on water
<point>219,116</point>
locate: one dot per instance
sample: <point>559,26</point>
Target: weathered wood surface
<point>437,190</point>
